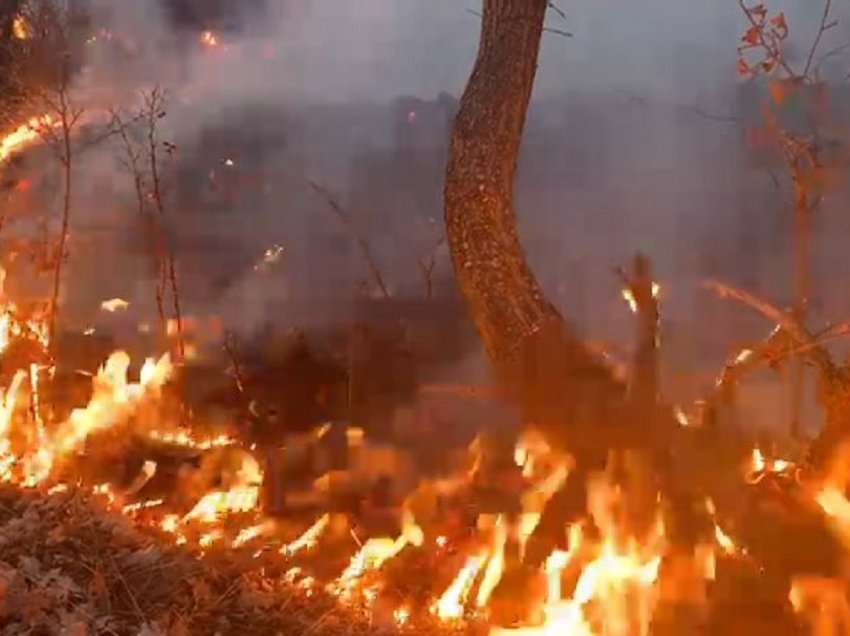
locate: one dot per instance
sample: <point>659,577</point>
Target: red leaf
<point>744,69</point>
<point>779,24</point>
<point>751,36</point>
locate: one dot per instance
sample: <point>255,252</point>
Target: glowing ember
<point>743,356</point>
<point>21,28</point>
<point>401,615</point>
<point>629,297</point>
<point>184,439</point>
<point>114,304</point>
<point>209,538</point>
<point>142,505</point>
<point>209,39</point>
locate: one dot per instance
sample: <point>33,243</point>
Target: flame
<point>209,39</point>
<point>616,591</point>
<point>450,606</point>
<point>21,28</point>
<point>401,615</point>
<point>823,604</point>
<point>374,553</point>
<point>309,538</point>
<point>629,297</point>
<point>743,356</point>
<point>114,304</point>
<point>25,135</point>
<point>184,439</point>
<point>252,532</point>
<point>131,509</point>
<point>114,399</point>
<point>221,502</point>
<point>760,466</point>
<point>496,564</point>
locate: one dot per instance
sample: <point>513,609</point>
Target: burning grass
<point>68,565</point>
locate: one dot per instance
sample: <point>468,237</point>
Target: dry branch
<point>362,243</point>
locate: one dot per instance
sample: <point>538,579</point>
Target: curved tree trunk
<point>530,347</point>
<point>506,302</point>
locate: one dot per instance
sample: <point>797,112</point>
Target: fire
<point>220,502</point>
<point>130,509</point>
<point>21,28</point>
<point>309,539</point>
<point>184,439</point>
<point>629,297</point>
<point>760,466</point>
<point>25,135</point>
<point>373,554</point>
<point>616,591</point>
<point>209,39</point>
<point>450,606</point>
<point>114,304</point>
<point>496,564</point>
<point>252,532</point>
<point>113,400</point>
<point>823,604</point>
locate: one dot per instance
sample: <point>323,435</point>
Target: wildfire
<point>25,135</point>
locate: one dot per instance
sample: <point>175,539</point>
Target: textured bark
<point>506,301</point>
<point>524,336</point>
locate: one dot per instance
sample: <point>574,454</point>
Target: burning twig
<point>785,320</point>
<point>642,292</point>
<point>362,243</point>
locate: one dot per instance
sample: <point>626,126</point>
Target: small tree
<point>143,157</point>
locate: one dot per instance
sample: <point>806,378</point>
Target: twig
<point>427,265</point>
<point>774,52</point>
<point>823,28</point>
<point>561,32</point>
<point>558,10</point>
<point>785,320</point>
<point>711,116</point>
<point>362,243</point>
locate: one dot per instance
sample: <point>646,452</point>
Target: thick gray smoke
<point>635,142</point>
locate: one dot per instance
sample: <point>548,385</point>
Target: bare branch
<point>785,320</point>
<point>824,26</point>
<point>362,243</point>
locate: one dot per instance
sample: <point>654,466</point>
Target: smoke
<point>634,142</point>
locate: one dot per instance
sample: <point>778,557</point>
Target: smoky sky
<point>626,147</point>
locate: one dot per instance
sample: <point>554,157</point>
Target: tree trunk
<point>533,352</point>
<point>506,301</point>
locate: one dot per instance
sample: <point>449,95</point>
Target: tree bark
<point>529,345</point>
<point>506,301</point>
